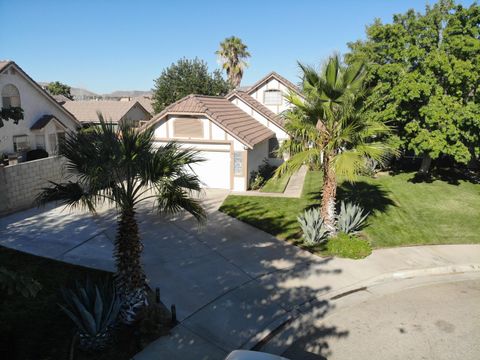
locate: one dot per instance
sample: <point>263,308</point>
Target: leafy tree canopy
<point>11,113</point>
<point>425,74</point>
<point>184,78</point>
<point>57,88</point>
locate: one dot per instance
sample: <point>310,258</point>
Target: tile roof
<point>221,111</point>
<point>43,121</point>
<point>112,110</point>
<point>279,78</point>
<point>61,99</point>
<point>146,102</point>
<point>258,106</point>
<point>4,64</point>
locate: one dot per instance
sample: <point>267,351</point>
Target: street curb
<point>275,328</point>
<point>404,274</point>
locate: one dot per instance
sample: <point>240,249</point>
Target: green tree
<point>233,55</point>
<point>327,128</point>
<point>57,88</point>
<point>425,74</point>
<point>11,113</point>
<point>184,78</point>
<point>122,167</point>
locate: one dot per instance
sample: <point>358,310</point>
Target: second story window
<point>10,96</point>
<point>272,97</point>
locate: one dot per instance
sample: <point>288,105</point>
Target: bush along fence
<point>20,183</point>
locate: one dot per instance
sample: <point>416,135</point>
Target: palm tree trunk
<point>329,193</point>
<point>130,276</point>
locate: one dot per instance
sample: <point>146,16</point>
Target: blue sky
<point>124,45</point>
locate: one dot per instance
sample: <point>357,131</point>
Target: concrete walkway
<point>232,284</point>
<point>293,189</point>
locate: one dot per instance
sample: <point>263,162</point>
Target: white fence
<point>21,183</point>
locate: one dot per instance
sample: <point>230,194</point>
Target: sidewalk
<point>245,315</point>
<point>293,189</point>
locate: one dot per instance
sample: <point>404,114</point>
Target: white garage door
<point>214,172</point>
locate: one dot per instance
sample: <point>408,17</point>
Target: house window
<point>272,148</point>
<point>40,141</point>
<point>20,143</point>
<point>188,128</point>
<point>272,97</point>
<point>238,163</point>
<point>10,96</point>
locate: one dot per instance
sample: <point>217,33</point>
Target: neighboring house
<point>235,134</point>
<point>115,111</point>
<point>146,102</point>
<point>61,99</point>
<point>45,120</point>
<point>270,91</point>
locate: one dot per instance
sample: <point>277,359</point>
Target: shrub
<point>266,170</point>
<point>153,321</point>
<point>260,177</point>
<point>351,218</point>
<point>94,309</point>
<point>313,228</point>
<point>36,154</point>
<point>348,246</point>
<point>256,181</point>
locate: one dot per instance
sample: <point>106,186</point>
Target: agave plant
<point>313,227</point>
<point>351,218</point>
<point>94,308</point>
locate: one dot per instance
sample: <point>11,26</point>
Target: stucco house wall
<point>137,114</point>
<point>35,104</point>
<point>256,156</point>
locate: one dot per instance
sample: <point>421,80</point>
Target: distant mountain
<point>80,93</point>
<point>128,93</point>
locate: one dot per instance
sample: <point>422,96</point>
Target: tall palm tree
<point>233,54</point>
<point>327,128</point>
<point>120,166</point>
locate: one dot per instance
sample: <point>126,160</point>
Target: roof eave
<point>42,91</point>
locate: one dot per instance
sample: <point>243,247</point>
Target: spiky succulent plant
<point>94,309</point>
<point>351,218</point>
<point>313,227</point>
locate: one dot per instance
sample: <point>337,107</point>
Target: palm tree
<point>120,166</point>
<point>233,54</point>
<point>327,129</point>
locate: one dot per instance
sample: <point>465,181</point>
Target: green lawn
<point>276,185</point>
<point>402,212</point>
<point>36,328</point>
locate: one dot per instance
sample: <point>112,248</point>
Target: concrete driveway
<point>223,267</point>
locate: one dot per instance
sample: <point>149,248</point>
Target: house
<point>112,110</point>
<point>235,134</point>
<point>146,102</point>
<point>45,120</point>
<point>61,99</point>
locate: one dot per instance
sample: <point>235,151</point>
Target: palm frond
<point>70,194</point>
<point>295,162</point>
<point>174,196</point>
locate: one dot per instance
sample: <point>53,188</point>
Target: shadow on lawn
<point>451,176</point>
<point>261,218</point>
<point>369,196</point>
